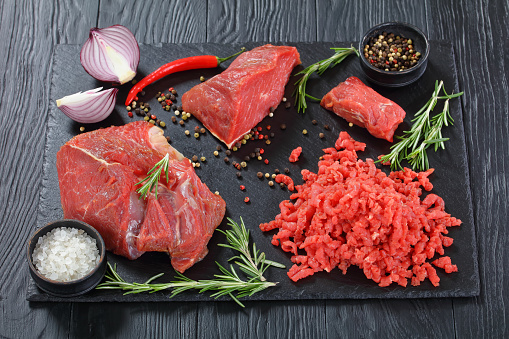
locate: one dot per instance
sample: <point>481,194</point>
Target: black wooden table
<point>29,31</point>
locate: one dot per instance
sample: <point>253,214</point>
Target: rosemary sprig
<point>252,263</point>
<point>152,179</point>
<point>318,67</point>
<point>425,131</point>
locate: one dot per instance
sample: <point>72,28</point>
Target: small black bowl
<point>396,78</point>
<point>75,287</point>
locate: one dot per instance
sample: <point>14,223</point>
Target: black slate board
<point>450,180</point>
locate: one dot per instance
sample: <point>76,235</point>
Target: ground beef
<point>294,156</point>
<point>351,213</point>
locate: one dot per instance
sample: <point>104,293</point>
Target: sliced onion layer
<point>111,54</point>
<point>90,106</point>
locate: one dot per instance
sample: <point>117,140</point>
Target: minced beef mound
<point>351,213</point>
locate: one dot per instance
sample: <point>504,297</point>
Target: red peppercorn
<point>260,136</point>
<point>169,102</point>
<point>242,187</point>
<point>262,151</point>
<point>135,98</point>
<point>266,161</point>
<point>130,114</point>
<point>170,89</point>
<point>153,117</point>
<point>268,127</point>
<point>246,199</point>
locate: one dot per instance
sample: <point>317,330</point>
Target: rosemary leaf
<point>252,263</point>
<point>319,67</point>
<point>425,131</point>
<point>152,180</point>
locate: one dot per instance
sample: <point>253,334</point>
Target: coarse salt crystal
<point>65,254</point>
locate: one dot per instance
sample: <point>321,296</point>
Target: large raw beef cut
<point>361,105</point>
<point>233,102</point>
<point>98,172</point>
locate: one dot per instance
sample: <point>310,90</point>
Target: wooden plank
<point>348,20</point>
<point>29,31</point>
<point>265,20</point>
<point>478,31</point>
<point>291,319</point>
<point>381,318</point>
<point>157,21</point>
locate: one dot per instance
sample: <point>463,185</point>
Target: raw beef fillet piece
<point>98,172</point>
<point>233,102</point>
<point>361,105</point>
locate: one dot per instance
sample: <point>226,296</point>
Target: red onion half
<point>90,106</point>
<point>111,54</point>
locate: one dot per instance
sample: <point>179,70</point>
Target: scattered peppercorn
<point>283,126</point>
<point>304,131</point>
<point>287,170</point>
<point>216,153</point>
<point>239,174</point>
<point>82,129</point>
<point>218,147</point>
<point>246,200</point>
<point>202,130</point>
<point>168,139</point>
<point>226,159</point>
<point>259,175</point>
<point>288,104</point>
<point>202,78</point>
<point>174,119</point>
<point>321,135</point>
<point>271,183</point>
<point>228,152</point>
<point>194,158</point>
<point>314,122</point>
<point>327,127</point>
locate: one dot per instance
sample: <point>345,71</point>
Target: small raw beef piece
<point>233,102</point>
<point>98,172</point>
<point>294,157</point>
<point>361,105</point>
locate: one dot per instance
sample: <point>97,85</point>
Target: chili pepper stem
<point>221,60</point>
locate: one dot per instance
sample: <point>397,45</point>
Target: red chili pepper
<point>179,65</point>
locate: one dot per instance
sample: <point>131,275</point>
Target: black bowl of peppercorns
<point>394,54</point>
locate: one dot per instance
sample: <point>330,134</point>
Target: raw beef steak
<point>233,102</point>
<point>98,172</point>
<point>361,105</point>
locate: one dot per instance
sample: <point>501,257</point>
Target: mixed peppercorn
<point>391,52</point>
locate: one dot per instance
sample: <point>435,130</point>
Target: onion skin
<point>111,54</point>
<point>90,106</point>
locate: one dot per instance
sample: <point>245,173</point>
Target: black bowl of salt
<point>66,258</point>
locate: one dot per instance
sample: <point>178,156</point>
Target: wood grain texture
<point>157,21</point>
<point>29,29</point>
<point>482,64</point>
<point>265,20</point>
